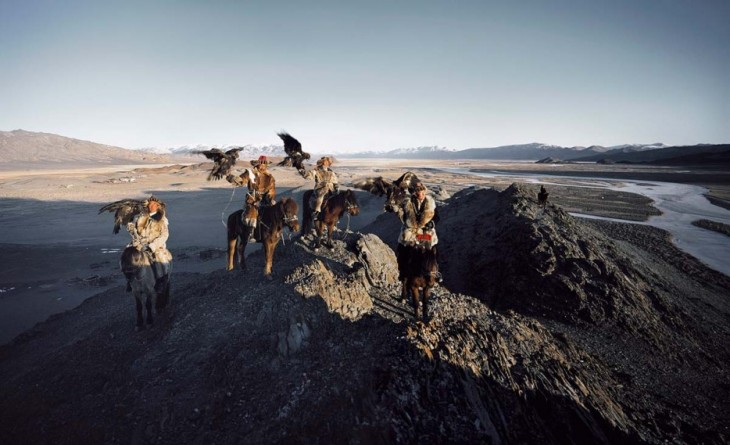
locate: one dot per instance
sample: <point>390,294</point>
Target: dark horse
<point>137,268</point>
<point>332,210</point>
<point>271,222</point>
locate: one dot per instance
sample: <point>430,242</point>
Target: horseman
<point>149,235</point>
<point>325,181</point>
<point>418,232</point>
<point>262,191</point>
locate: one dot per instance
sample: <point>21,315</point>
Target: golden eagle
<point>222,161</point>
<point>125,211</point>
<point>294,154</point>
<point>379,186</point>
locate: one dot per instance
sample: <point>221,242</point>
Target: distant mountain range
<point>248,150</point>
<point>26,148</point>
<point>522,152</point>
<point>20,147</point>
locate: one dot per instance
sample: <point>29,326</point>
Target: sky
<point>344,76</point>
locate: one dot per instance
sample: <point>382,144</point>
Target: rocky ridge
<point>519,350</point>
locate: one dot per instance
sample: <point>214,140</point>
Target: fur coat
<point>151,231</point>
<point>325,180</point>
<point>415,216</point>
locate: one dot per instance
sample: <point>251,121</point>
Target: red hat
<point>264,159</point>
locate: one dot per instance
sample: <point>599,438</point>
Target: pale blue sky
<point>367,75</point>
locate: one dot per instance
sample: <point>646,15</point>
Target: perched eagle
<point>379,186</point>
<point>294,154</point>
<point>376,186</point>
<point>222,161</point>
<point>125,211</point>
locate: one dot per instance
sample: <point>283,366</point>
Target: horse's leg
<point>269,246</point>
<point>232,247</point>
<point>404,290</point>
<point>242,241</point>
<point>416,297</point>
<point>426,296</point>
<point>318,225</point>
<point>140,318</point>
<point>148,305</point>
<point>330,229</point>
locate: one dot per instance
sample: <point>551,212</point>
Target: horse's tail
<point>306,212</point>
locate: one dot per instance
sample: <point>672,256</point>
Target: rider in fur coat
<point>325,181</point>
<point>417,213</point>
<point>149,233</point>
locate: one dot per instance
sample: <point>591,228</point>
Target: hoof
<point>268,277</point>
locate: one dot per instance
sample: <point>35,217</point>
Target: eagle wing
<point>222,162</point>
<point>408,180</point>
<point>233,152</point>
<point>376,186</point>
<point>214,154</point>
<point>294,154</point>
<point>292,147</point>
<point>124,211</point>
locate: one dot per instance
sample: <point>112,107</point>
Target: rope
<point>226,208</point>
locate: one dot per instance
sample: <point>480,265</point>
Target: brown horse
<point>137,268</point>
<point>332,210</point>
<point>271,222</point>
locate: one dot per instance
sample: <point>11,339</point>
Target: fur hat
<point>261,160</point>
<point>419,186</point>
<point>324,159</point>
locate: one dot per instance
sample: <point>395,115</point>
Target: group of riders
<point>417,213</point>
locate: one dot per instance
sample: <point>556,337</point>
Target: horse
<point>271,222</point>
<point>332,210</point>
<point>137,268</point>
<point>419,268</point>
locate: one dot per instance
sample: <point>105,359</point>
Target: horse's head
<point>290,209</point>
<point>395,196</point>
<point>351,205</point>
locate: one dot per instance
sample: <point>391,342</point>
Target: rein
<point>226,208</point>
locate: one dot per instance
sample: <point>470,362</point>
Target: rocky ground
<point>546,329</point>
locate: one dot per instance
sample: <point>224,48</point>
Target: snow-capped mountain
<point>248,150</point>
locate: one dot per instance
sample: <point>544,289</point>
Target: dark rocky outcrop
<point>545,345</point>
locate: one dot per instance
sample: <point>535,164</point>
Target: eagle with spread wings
<point>222,161</point>
<point>124,211</point>
<point>295,157</point>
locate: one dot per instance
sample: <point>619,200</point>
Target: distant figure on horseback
<point>325,181</point>
<point>149,231</point>
<point>542,197</point>
<point>261,190</point>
